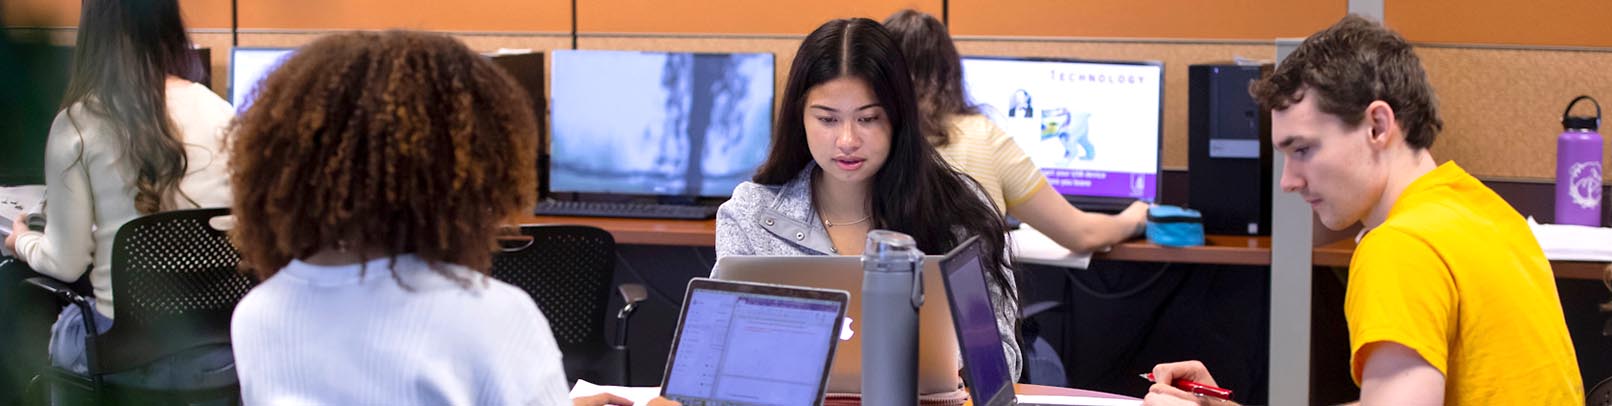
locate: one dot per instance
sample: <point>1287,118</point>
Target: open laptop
<point>1094,128</point>
<point>985,366</point>
<point>937,345</point>
<point>743,343</point>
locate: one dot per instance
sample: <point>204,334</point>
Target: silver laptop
<point>937,342</point>
<point>743,343</point>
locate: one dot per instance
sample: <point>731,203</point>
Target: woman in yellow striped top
<point>976,146</point>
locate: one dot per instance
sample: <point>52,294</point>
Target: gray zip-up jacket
<point>780,220</point>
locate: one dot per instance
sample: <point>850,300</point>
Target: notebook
<point>743,343</point>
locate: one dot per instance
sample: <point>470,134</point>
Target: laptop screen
<point>659,123</point>
<point>247,67</point>
<point>752,347</point>
<point>1092,127</point>
<point>985,367</point>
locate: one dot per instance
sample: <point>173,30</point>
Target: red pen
<point>1194,387</point>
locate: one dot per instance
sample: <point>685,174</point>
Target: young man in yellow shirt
<point>1450,299</point>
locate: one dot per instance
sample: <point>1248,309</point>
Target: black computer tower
<point>527,70</point>
<point>1229,149</point>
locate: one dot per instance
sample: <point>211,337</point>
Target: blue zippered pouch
<point>1174,226</point>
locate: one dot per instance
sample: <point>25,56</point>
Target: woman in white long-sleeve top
<point>136,135</point>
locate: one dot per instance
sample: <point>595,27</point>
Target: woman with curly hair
<point>374,171</point>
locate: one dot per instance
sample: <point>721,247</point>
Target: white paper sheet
<point>1077,400</point>
<point>639,395</point>
<point>1030,246</point>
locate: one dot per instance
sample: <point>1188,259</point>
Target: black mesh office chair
<point>176,284</point>
<point>1601,394</point>
<point>567,270</point>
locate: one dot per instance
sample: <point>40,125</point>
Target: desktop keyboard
<point>632,210</point>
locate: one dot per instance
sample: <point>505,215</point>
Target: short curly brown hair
<point>1351,64</point>
<point>399,142</point>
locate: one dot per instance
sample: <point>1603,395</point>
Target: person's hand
<point>606,399</point>
<point>603,399</point>
<point>1136,214</point>
<point>18,225</point>
<point>663,402</point>
<point>1162,393</point>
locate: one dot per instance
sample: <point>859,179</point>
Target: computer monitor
<point>1093,127</point>
<point>658,123</point>
<point>247,67</point>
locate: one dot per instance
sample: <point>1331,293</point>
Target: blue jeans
<point>196,368</point>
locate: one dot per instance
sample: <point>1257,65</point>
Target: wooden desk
<point>1219,249</point>
<point>695,233</point>
<point>1339,252</point>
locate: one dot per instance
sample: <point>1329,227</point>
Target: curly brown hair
<point>1351,64</point>
<point>400,142</point>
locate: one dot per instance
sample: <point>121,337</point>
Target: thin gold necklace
<point>833,224</point>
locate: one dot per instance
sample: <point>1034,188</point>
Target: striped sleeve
<point>1019,176</point>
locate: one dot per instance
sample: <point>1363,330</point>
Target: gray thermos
<point>892,293</point>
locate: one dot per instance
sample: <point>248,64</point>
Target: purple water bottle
<point>1578,168</point>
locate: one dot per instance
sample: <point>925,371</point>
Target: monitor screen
<point>247,67</point>
<point>1092,127</point>
<point>724,333</point>
<point>657,123</point>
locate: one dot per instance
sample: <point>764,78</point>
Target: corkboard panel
<point>456,15</point>
<point>40,13</point>
<point>219,42</point>
<point>1244,19</point>
<point>1536,22</point>
<point>1175,55</point>
<point>731,16</point>
<point>782,48</point>
<point>538,42</point>
<point>1502,107</point>
<point>64,13</point>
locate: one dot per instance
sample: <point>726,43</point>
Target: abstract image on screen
<point>1092,127</point>
<point>651,123</point>
<point>248,66</point>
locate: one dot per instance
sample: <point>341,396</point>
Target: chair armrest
<point>57,289</point>
<point>631,294</point>
<point>65,293</point>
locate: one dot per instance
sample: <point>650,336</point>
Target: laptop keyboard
<point>627,210</point>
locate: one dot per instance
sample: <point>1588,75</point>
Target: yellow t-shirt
<point>1455,274</point>
<point>983,151</point>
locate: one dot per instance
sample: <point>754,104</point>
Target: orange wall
<point>1534,22</point>
<point>64,13</point>
<point>445,15</point>
<point>40,13</point>
<point>731,16</point>
<point>1224,19</point>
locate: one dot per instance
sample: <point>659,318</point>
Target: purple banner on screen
<point>1142,186</point>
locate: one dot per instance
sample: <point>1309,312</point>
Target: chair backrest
<point>175,282</point>
<point>567,270</point>
<point>1601,394</point>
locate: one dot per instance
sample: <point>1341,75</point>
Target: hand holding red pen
<point>1184,375</point>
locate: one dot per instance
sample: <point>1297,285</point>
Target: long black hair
<point>936,69</point>
<point>124,54</point>
<point>915,192</point>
